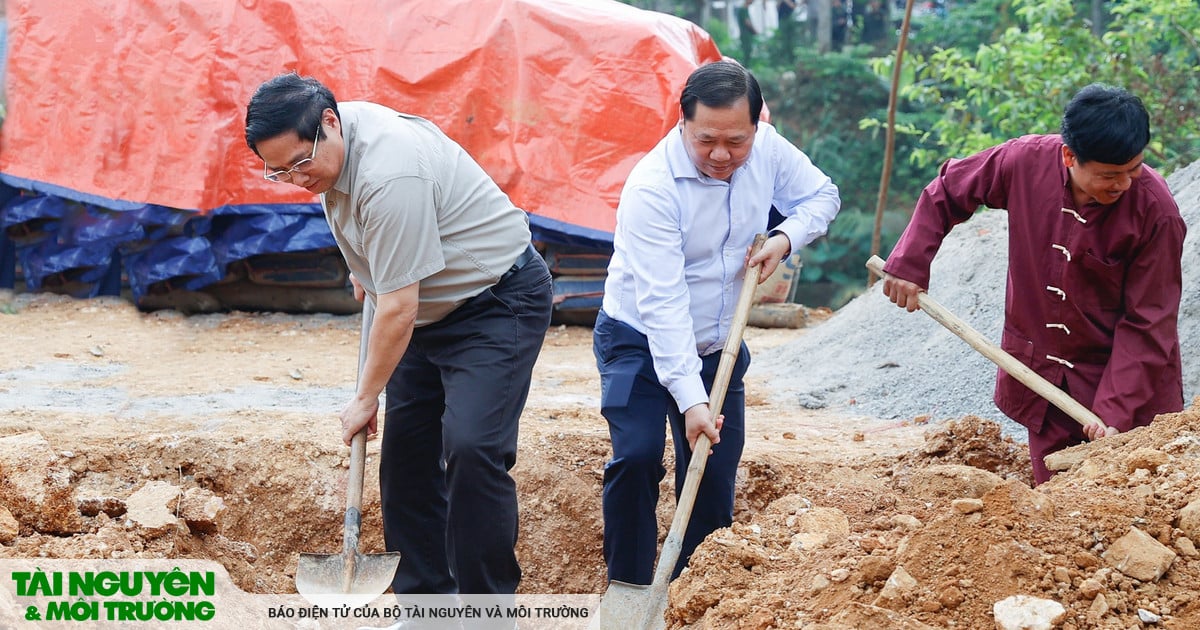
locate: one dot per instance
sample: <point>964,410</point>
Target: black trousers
<point>450,439</point>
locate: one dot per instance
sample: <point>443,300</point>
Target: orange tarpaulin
<point>143,101</point>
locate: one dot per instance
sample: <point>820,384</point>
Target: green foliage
<point>967,25</point>
<point>719,31</point>
<point>818,105</point>
<point>840,256</point>
<point>988,71</point>
<point>1020,82</point>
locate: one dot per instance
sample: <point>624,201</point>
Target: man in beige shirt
<point>462,305</point>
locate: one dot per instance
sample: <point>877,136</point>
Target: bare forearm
<point>391,332</point>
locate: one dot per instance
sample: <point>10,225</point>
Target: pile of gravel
<point>874,359</point>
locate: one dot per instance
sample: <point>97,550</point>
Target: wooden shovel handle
<point>358,444</point>
<point>716,399</point>
<point>1004,360</point>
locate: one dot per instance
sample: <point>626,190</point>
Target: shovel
<point>1004,360</point>
<point>349,577</point>
<point>634,606</point>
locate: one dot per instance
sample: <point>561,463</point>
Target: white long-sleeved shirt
<point>681,239</point>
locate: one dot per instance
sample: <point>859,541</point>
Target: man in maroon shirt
<point>1094,275</point>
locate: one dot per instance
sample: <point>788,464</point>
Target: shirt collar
<point>682,166</point>
<point>678,160</point>
<point>349,123</point>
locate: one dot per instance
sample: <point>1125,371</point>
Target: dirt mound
<point>1109,540</point>
<point>971,441</point>
<point>126,435</point>
<point>132,435</point>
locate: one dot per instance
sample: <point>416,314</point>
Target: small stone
<point>9,527</point>
<point>1189,519</point>
<point>1061,575</point>
<point>1148,617</point>
<point>839,575</point>
<point>201,510</point>
<point>1085,560</point>
<point>951,597</point>
<point>1138,555</point>
<point>1064,459</point>
<point>152,506</point>
<point>874,569</point>
<point>896,589</point>
<point>1090,588</point>
<point>819,583</point>
<point>967,506</point>
<point>1148,459</point>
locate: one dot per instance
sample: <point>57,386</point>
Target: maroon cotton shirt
<point>1110,275</point>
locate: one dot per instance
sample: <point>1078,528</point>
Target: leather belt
<point>526,256</point>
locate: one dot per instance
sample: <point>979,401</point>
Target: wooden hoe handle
<point>1004,360</point>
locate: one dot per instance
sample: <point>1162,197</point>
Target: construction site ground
<point>842,521</point>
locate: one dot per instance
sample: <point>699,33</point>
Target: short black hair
<point>288,102</point>
<point>1105,124</point>
<point>720,84</point>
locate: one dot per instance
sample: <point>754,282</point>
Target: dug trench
<point>133,435</point>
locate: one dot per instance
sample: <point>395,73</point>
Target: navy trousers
<point>450,439</point>
<point>635,405</point>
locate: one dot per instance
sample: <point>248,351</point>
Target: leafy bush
<point>818,105</point>
<point>1020,82</point>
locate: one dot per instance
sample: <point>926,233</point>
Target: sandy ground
<point>239,411</point>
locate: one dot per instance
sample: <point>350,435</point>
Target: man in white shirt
<point>686,218</point>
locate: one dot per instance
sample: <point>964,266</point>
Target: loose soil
<point>242,408</point>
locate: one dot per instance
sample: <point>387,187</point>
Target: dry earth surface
<point>153,435</point>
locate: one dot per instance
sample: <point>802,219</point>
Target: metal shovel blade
<point>349,577</point>
<point>625,606</point>
<point>324,576</point>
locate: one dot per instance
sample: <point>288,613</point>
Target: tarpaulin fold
<point>129,104</point>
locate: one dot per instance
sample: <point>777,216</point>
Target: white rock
<point>152,507</point>
<point>1022,612</point>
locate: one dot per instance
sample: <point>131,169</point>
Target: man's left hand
<point>774,251</point>
<point>359,292</point>
<point>1095,431</point>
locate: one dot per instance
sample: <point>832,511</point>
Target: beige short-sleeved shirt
<point>412,206</point>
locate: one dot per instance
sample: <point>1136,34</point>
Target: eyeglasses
<point>284,177</point>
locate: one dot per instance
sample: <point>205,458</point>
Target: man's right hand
<point>697,420</point>
<point>359,293</point>
<point>902,293</point>
<point>361,412</point>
